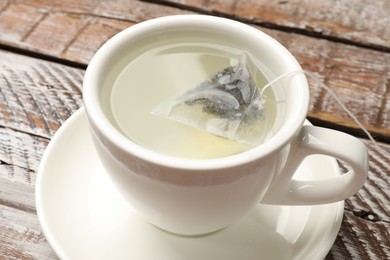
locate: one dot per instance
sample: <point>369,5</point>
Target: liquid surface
<point>161,74</point>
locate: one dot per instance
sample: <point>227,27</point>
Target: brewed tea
<point>164,73</point>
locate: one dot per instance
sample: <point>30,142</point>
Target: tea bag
<point>227,104</point>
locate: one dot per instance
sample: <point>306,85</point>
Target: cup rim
<point>101,123</point>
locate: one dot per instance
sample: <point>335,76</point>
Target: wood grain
<point>367,214</point>
<point>374,197</point>
<point>360,78</point>
<point>359,22</point>
<point>354,236</point>
<point>21,237</point>
<point>37,97</point>
<point>69,30</point>
<point>20,154</point>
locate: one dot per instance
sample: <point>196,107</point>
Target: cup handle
<point>316,140</point>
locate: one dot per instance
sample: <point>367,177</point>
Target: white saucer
<point>83,217</point>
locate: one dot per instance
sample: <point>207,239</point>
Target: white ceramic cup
<point>198,196</point>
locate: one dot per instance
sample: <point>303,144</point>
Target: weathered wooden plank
<point>15,193</point>
<point>360,239</point>
<point>374,197</point>
<point>361,22</point>
<point>69,6</point>
<point>89,39</point>
<point>17,21</point>
<point>135,11</point>
<point>69,29</point>
<point>57,40</point>
<point>20,154</point>
<point>36,96</point>
<point>359,76</point>
<point>364,233</point>
<point>21,237</point>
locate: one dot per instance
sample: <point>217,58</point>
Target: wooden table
<point>46,45</point>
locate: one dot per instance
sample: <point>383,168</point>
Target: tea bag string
<point>332,93</point>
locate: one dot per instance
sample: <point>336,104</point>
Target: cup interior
<point>126,46</point>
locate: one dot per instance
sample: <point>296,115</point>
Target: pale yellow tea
<point>164,73</point>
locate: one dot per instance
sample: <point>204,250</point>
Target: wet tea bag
<point>227,104</point>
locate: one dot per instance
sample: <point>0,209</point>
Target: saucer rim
<point>61,252</point>
<point>40,181</point>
